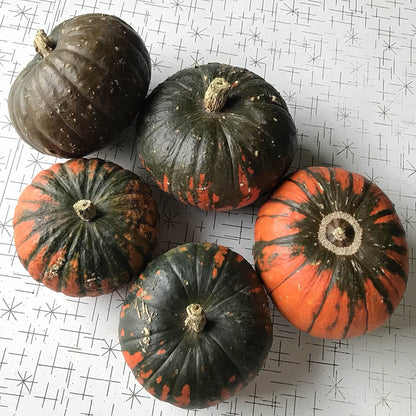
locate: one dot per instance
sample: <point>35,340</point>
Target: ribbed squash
<point>332,253</point>
<point>195,327</point>
<point>87,83</point>
<point>216,136</point>
<point>85,227</point>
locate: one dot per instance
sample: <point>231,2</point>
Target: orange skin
<point>308,294</point>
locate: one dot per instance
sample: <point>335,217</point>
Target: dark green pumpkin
<point>216,136</point>
<point>85,227</point>
<point>86,84</point>
<point>195,327</point>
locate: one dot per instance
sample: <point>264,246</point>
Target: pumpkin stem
<point>85,209</point>
<point>216,94</point>
<point>340,233</point>
<point>196,317</point>
<point>43,45</point>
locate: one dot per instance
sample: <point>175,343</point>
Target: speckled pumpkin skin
<point>85,258</point>
<point>216,160</point>
<point>173,362</point>
<point>326,294</point>
<point>89,88</point>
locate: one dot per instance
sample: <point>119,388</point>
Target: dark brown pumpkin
<point>85,227</point>
<point>332,253</point>
<point>87,83</point>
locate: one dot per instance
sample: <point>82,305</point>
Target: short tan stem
<point>43,45</point>
<point>216,94</point>
<point>85,209</point>
<point>196,317</point>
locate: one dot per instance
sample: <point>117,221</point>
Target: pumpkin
<point>85,227</point>
<point>331,251</point>
<point>195,327</point>
<point>216,136</point>
<point>87,83</point>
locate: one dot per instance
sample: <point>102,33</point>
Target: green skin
<point>225,354</point>
<point>122,225</point>
<point>89,86</point>
<point>234,154</point>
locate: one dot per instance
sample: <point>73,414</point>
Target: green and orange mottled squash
<point>87,83</point>
<point>85,227</point>
<point>195,327</point>
<point>332,253</point>
<point>216,136</point>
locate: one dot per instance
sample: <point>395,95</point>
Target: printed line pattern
<point>347,70</point>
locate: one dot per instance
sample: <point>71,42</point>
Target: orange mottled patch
<point>239,387</point>
<point>53,169</point>
<point>159,379</point>
<point>146,374</point>
<point>122,332</point>
<point>232,379</point>
<point>203,192</point>
<point>133,359</point>
<point>76,166</point>
<point>165,183</point>
<point>239,258</point>
<point>165,392</point>
<point>161,351</point>
<point>220,255</point>
<point>141,293</point>
<point>225,393</point>
<point>342,177</point>
<point>251,193</point>
<point>185,398</point>
<point>92,167</point>
<point>123,310</point>
<point>34,195</point>
<point>214,273</point>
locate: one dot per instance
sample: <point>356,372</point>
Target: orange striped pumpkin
<point>85,227</point>
<point>331,251</point>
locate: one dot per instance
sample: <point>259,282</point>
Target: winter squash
<point>332,253</point>
<point>85,227</point>
<point>195,327</point>
<point>216,136</point>
<point>87,82</point>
